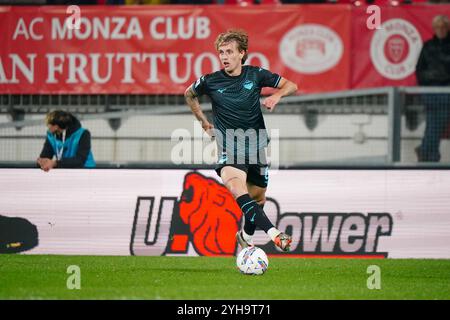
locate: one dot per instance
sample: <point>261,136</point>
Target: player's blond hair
<point>237,35</point>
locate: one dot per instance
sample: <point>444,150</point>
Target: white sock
<point>248,238</point>
<point>273,233</point>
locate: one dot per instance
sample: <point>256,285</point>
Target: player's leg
<point>257,180</point>
<point>245,236</point>
<point>235,179</point>
<point>259,195</point>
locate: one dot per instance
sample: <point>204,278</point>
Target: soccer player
<point>240,131</point>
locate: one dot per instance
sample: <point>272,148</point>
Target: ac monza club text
<point>102,67</point>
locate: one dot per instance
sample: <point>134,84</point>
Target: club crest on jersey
<point>248,85</point>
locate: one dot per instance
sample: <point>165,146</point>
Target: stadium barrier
<point>330,213</point>
<point>370,127</point>
<point>314,46</point>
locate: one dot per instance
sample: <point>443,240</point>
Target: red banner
<point>387,56</point>
<point>163,49</point>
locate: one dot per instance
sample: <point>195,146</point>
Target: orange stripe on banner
<point>329,256</point>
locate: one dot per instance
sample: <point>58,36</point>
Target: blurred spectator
<point>433,69</point>
<point>67,141</point>
<point>302,1</point>
<point>193,1</point>
<point>72,2</point>
<point>147,1</point>
<point>113,2</point>
<point>23,2</point>
<point>244,3</point>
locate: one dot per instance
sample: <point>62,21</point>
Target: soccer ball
<point>252,260</point>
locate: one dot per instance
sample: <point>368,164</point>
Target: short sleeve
<point>267,78</point>
<point>199,86</point>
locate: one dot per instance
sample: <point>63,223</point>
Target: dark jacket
<point>433,66</point>
<point>84,147</point>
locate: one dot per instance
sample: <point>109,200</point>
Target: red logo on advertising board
<point>211,214</point>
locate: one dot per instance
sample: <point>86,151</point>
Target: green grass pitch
<point>106,277</point>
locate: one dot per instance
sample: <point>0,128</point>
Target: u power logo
<point>205,219</point>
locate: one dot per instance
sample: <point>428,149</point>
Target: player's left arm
<point>285,88</point>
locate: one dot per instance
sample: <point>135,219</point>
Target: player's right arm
<point>194,104</point>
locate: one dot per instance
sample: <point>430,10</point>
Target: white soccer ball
<point>252,260</point>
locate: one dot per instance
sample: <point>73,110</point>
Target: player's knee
<point>237,191</point>
<point>236,188</point>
